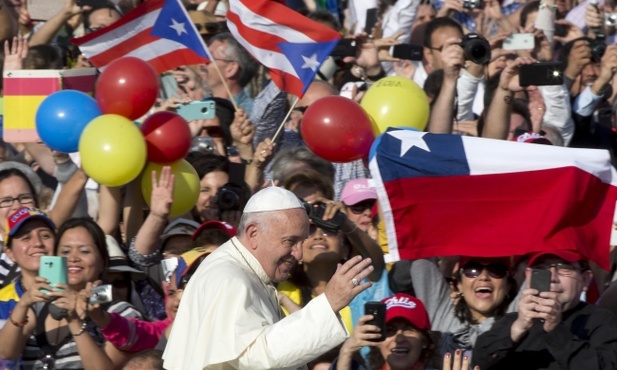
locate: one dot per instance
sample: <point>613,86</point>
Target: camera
<point>232,197</point>
<point>610,19</point>
<point>598,48</point>
<point>101,294</point>
<point>472,4</point>
<point>476,48</point>
<point>203,145</point>
<point>315,213</point>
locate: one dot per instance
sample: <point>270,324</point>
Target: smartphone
<point>197,110</point>
<point>541,74</point>
<point>378,310</point>
<point>519,41</point>
<point>407,51</point>
<point>371,20</point>
<point>540,280</point>
<point>344,48</point>
<point>54,269</point>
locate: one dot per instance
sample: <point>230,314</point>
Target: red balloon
<point>168,137</point>
<point>128,86</point>
<point>338,129</point>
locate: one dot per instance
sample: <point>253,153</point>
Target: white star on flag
<point>409,139</point>
<point>179,27</point>
<point>311,62</point>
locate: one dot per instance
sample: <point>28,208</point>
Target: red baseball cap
<point>567,255</point>
<point>408,307</point>
<point>220,225</point>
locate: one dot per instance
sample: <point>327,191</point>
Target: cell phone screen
<point>371,19</point>
<point>540,280</point>
<point>378,310</point>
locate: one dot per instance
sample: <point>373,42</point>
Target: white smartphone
<point>519,41</point>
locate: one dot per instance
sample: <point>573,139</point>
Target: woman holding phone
<point>59,334</point>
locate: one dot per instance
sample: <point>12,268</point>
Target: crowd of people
<point>274,265</point>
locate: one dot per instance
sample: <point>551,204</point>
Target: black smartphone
<point>371,19</point>
<point>540,280</point>
<point>378,310</point>
<point>541,74</point>
<point>407,51</point>
<point>344,48</point>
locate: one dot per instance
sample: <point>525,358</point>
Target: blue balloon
<point>62,116</point>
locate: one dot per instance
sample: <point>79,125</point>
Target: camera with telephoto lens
<point>472,4</point>
<point>476,48</point>
<point>316,211</point>
<point>598,47</point>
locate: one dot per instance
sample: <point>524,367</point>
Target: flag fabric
<point>157,31</point>
<point>24,90</point>
<point>292,46</point>
<point>445,195</point>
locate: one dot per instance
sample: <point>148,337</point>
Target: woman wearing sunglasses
<point>466,305</point>
<point>360,198</point>
<point>325,248</point>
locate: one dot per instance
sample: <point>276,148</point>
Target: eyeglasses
<point>495,270</point>
<point>325,233</point>
<point>563,269</point>
<point>23,199</point>
<point>359,208</point>
<point>300,109</point>
<point>208,27</point>
<point>213,131</point>
<point>225,60</point>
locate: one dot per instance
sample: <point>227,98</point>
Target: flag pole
<point>285,119</point>
<point>218,71</point>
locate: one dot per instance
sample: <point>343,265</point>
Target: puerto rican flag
<point>157,31</point>
<point>445,195</point>
<point>292,46</point>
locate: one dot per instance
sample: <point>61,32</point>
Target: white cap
<point>272,198</point>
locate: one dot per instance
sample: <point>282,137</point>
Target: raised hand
<point>161,198</point>
<point>15,54</point>
<point>346,283</point>
<point>242,129</point>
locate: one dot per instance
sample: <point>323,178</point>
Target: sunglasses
<point>208,27</point>
<point>213,131</point>
<point>495,270</point>
<point>359,208</point>
<point>313,229</point>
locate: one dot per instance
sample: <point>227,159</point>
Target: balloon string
<point>285,119</point>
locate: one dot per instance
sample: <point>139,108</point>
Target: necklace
<point>269,287</point>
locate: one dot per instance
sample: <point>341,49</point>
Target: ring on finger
<point>355,282</point>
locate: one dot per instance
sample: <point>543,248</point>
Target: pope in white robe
<point>229,316</point>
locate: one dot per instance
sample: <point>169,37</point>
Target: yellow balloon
<point>112,149</point>
<point>396,102</point>
<point>186,186</point>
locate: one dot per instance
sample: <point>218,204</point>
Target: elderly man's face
<point>279,242</point>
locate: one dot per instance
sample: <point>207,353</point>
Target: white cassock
<point>229,318</point>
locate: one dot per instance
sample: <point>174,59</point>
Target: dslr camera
<point>472,4</point>
<point>315,213</point>
<point>232,197</point>
<point>476,48</point>
<point>598,48</point>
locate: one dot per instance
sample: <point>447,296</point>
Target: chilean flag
<point>445,195</point>
<point>157,31</point>
<point>292,46</point>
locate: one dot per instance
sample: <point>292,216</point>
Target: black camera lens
<point>476,48</point>
<point>598,48</point>
<point>232,197</point>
